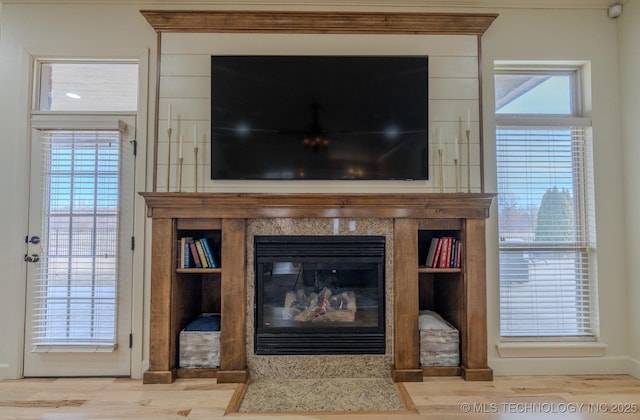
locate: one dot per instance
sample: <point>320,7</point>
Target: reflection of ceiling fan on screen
<point>315,137</point>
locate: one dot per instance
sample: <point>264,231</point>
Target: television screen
<point>319,117</point>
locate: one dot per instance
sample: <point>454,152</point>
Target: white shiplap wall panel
<point>185,87</point>
<point>452,66</point>
<point>190,109</point>
<point>451,110</point>
<point>330,44</point>
<point>185,84</point>
<point>448,88</point>
<point>186,64</point>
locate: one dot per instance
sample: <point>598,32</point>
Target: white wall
<point>61,30</point>
<point>630,110</point>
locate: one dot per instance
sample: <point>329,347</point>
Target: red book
<point>443,253</point>
<point>194,254</point>
<point>436,257</point>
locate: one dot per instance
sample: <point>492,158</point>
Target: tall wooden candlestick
<point>441,170</point>
<point>455,164</point>
<point>180,165</point>
<point>468,132</point>
<point>169,131</point>
<point>169,158</point>
<point>195,167</point>
<point>180,174</point>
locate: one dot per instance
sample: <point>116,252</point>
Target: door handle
<point>33,258</point>
<point>35,239</point>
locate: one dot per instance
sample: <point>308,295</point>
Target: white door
<point>78,319</point>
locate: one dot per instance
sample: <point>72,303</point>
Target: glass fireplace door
<point>324,298</point>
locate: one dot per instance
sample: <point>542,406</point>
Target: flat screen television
<point>319,117</point>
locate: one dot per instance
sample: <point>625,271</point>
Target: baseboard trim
<point>7,373</point>
<point>563,366</point>
<point>232,376</point>
<point>634,367</point>
<point>550,349</point>
<point>406,375</point>
<point>159,376</point>
<point>482,374</point>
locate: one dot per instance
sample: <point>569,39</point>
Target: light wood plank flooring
<point>531,397</point>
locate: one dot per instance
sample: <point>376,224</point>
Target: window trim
<point>539,122</point>
<point>37,81</point>
<point>575,74</point>
<point>556,346</point>
<point>124,123</point>
<point>549,349</point>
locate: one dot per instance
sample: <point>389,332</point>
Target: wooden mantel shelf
<point>258,205</point>
<point>318,22</point>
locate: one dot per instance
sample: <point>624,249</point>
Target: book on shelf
<point>209,253</point>
<point>433,252</point>
<point>185,255</point>
<point>442,263</point>
<point>458,254</point>
<point>195,253</point>
<point>444,252</point>
<point>200,251</point>
<point>452,253</point>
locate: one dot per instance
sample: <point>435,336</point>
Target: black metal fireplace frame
<point>317,249</point>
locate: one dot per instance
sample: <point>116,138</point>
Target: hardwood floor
<point>506,398</point>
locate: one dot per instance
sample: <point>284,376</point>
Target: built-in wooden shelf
<point>198,270</point>
<point>460,297</point>
<point>438,270</point>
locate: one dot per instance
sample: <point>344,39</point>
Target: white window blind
<point>77,281</point>
<point>546,228</point>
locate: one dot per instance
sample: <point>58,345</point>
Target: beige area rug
<point>330,395</point>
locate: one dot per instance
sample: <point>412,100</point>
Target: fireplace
<point>319,295</point>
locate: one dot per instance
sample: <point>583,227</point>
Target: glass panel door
<point>79,278</point>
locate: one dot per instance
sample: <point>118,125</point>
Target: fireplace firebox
<point>319,295</point>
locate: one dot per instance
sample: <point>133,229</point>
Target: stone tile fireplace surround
<point>318,366</point>
<point>405,220</point>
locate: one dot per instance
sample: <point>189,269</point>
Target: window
<point>88,86</point>
<point>78,286</point>
<point>545,206</point>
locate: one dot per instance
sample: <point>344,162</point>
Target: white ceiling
<point>531,4</point>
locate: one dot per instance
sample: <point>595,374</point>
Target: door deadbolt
<point>35,240</point>
<point>31,258</point>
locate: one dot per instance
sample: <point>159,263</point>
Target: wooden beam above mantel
<point>318,22</point>
<point>257,205</point>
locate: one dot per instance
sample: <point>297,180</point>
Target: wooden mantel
<point>460,295</point>
<point>258,205</point>
<point>318,22</point>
